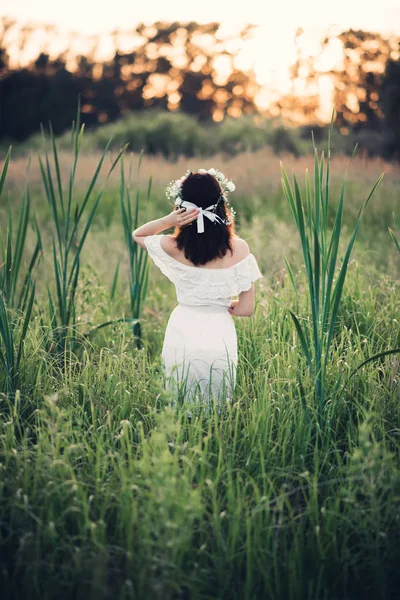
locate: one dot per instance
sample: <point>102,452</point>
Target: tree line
<point>191,67</point>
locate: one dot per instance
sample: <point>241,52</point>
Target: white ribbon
<point>204,212</point>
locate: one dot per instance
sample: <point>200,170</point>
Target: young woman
<point>209,265</point>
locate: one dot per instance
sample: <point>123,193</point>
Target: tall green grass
<point>107,492</point>
<point>110,493</point>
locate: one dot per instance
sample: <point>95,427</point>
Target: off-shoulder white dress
<point>200,345</point>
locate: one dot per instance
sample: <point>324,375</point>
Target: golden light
<point>282,31</point>
<point>223,67</point>
<point>218,115</point>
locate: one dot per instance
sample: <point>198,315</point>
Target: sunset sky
<point>270,52</point>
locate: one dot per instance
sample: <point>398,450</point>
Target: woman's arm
<point>177,218</point>
<point>244,306</point>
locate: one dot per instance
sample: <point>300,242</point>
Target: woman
<point>208,264</point>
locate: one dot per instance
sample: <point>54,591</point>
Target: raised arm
<point>176,218</point>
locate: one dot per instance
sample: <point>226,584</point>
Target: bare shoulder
<point>168,244</point>
<point>240,247</point>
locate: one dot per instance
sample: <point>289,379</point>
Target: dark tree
<point>173,66</point>
<point>390,104</point>
<point>358,78</point>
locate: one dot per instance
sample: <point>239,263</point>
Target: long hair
<point>204,190</point>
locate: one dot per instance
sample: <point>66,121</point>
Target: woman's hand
<point>244,305</point>
<point>182,217</point>
<point>178,218</point>
<point>231,308</point>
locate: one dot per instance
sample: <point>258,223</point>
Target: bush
<point>242,135</point>
<point>174,134</point>
<point>155,132</point>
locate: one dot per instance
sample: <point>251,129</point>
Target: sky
<point>270,52</point>
<point>277,17</point>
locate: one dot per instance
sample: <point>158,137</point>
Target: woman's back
<point>213,284</point>
<point>240,250</point>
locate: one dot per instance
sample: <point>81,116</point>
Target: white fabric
<point>203,212</point>
<point>200,344</point>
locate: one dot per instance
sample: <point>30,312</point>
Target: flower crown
<point>174,189</point>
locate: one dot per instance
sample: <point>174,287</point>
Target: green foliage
<point>393,236</point>
<point>11,354</point>
<point>4,170</point>
<point>320,254</point>
<point>119,494</point>
<point>175,134</point>
<point>154,132</point>
<point>138,270</point>
<point>12,255</point>
<point>67,246</point>
<point>108,492</point>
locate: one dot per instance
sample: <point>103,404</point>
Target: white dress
<point>200,345</point>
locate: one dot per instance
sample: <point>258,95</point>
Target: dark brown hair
<point>203,190</point>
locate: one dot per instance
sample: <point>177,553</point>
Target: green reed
<point>68,216</point>
<point>138,267</point>
<point>320,249</point>
<point>4,170</point>
<point>393,235</point>
<point>12,253</point>
<point>11,354</point>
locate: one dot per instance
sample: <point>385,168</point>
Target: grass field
<point>108,492</point>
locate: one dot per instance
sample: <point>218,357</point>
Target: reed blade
<point>58,171</point>
<point>5,170</point>
<point>53,313</point>
<point>290,273</point>
<point>288,193</point>
<point>8,267</point>
<point>394,238</point>
<point>6,334</point>
<point>59,285</point>
<point>337,294</point>
<point>373,358</point>
<point>25,326</point>
<point>115,281</point>
<point>72,292</point>
<point>35,259</point>
<point>304,340</point>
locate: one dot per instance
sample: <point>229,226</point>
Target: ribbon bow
<point>204,212</point>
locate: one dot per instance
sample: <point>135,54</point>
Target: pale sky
<point>276,16</point>
<point>270,52</point>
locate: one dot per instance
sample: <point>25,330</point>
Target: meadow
<point>290,492</point>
